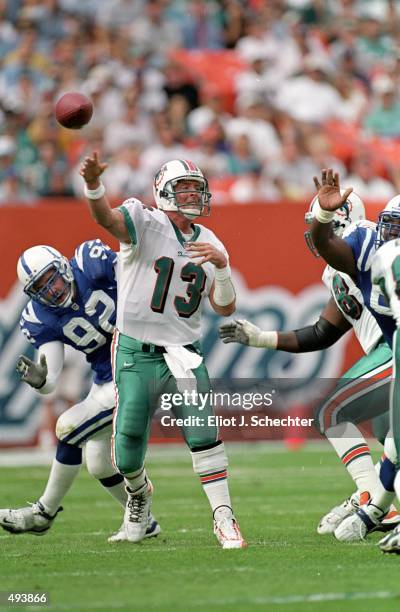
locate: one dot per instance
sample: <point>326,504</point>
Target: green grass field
<point>278,497</point>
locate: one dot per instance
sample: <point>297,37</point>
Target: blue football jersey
<point>88,324</point>
<point>361,237</point>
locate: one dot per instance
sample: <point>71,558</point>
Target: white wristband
<point>224,292</point>
<point>323,216</point>
<point>94,194</point>
<point>267,339</point>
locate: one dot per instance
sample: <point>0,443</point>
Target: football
<point>73,110</point>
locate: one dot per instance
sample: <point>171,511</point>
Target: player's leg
<point>135,374</point>
<point>358,396</point>
<point>210,463</point>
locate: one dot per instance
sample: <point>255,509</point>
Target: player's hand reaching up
<point>91,170</point>
<point>206,252</point>
<point>329,196</point>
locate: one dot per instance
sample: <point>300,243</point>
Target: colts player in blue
<point>354,254</point>
<point>74,303</point>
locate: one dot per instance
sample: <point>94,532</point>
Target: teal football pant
<point>141,378</point>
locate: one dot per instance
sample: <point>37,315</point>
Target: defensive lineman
<point>71,303</point>
<point>353,399</point>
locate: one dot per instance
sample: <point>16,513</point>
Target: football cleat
<point>391,542</point>
<point>32,519</point>
<point>228,533</point>
<point>356,527</point>
<point>332,520</point>
<point>152,531</point>
<point>137,512</point>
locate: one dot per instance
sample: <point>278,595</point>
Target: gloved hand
<point>31,372</point>
<point>245,332</point>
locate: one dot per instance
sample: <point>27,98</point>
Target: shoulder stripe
<point>365,250</point>
<point>130,226</point>
<point>79,256</point>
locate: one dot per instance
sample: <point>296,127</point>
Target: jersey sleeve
<point>97,261</point>
<point>137,216</point>
<point>34,329</point>
<point>361,239</point>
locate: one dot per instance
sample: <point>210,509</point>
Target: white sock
<point>99,465</point>
<point>60,480</point>
<point>354,453</point>
<point>137,481</point>
<point>210,465</point>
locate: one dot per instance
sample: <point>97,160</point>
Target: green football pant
<point>140,379</point>
<point>362,393</point>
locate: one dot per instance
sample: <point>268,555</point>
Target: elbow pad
<point>317,337</point>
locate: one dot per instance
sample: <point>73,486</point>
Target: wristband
<point>323,216</point>
<point>94,194</point>
<point>267,339</point>
<point>222,274</point>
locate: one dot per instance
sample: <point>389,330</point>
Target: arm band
<point>94,194</point>
<point>224,292</point>
<point>323,216</point>
<point>319,336</point>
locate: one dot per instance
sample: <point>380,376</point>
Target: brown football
<point>73,110</point>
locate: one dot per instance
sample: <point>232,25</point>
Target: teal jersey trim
<point>130,226</point>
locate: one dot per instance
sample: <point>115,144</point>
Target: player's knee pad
<point>390,448</point>
<point>209,460</point>
<point>98,458</point>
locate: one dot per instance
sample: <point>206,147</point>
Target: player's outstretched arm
<point>326,331</point>
<point>101,211</point>
<point>333,249</point>
<point>43,374</point>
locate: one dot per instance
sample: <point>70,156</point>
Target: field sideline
<point>279,497</point>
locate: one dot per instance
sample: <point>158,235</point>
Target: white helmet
<point>164,188</point>
<point>35,262</point>
<point>352,210</point>
<point>388,226</point>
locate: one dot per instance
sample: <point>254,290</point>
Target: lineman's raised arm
<point>336,252</point>
<point>101,211</point>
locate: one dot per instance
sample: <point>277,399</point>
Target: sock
<point>355,455</point>
<point>137,481</point>
<point>115,485</point>
<point>210,465</point>
<point>64,470</point>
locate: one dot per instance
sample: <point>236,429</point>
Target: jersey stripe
<point>366,249</point>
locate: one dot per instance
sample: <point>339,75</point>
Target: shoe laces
<point>136,504</point>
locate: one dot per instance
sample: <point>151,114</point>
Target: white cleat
<point>137,512</point>
<point>332,520</point>
<point>391,542</point>
<point>228,533</point>
<point>32,519</point>
<point>366,520</point>
<point>153,529</point>
<point>351,529</point>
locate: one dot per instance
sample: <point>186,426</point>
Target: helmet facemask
<point>190,210</point>
<point>168,193</point>
<point>388,227</point>
<point>46,276</point>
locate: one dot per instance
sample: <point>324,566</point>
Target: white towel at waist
<point>181,362</point>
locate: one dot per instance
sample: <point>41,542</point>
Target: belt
<point>145,347</point>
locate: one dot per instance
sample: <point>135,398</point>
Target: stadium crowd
<point>261,95</point>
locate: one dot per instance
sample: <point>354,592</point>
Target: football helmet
<point>164,188</point>
<point>352,210</point>
<point>388,226</point>
<point>34,263</point>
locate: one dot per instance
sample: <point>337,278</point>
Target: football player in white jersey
<point>167,266</point>
<point>353,399</point>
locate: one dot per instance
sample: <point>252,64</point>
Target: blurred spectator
<point>178,81</point>
<point>384,117</point>
<point>212,108</point>
<point>154,31</point>
<point>201,25</point>
<point>167,147</point>
<point>365,182</point>
<point>211,154</point>
<point>125,175</point>
<point>253,186</point>
<point>133,127</point>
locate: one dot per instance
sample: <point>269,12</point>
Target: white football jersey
<point>160,289</point>
<point>350,302</point>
